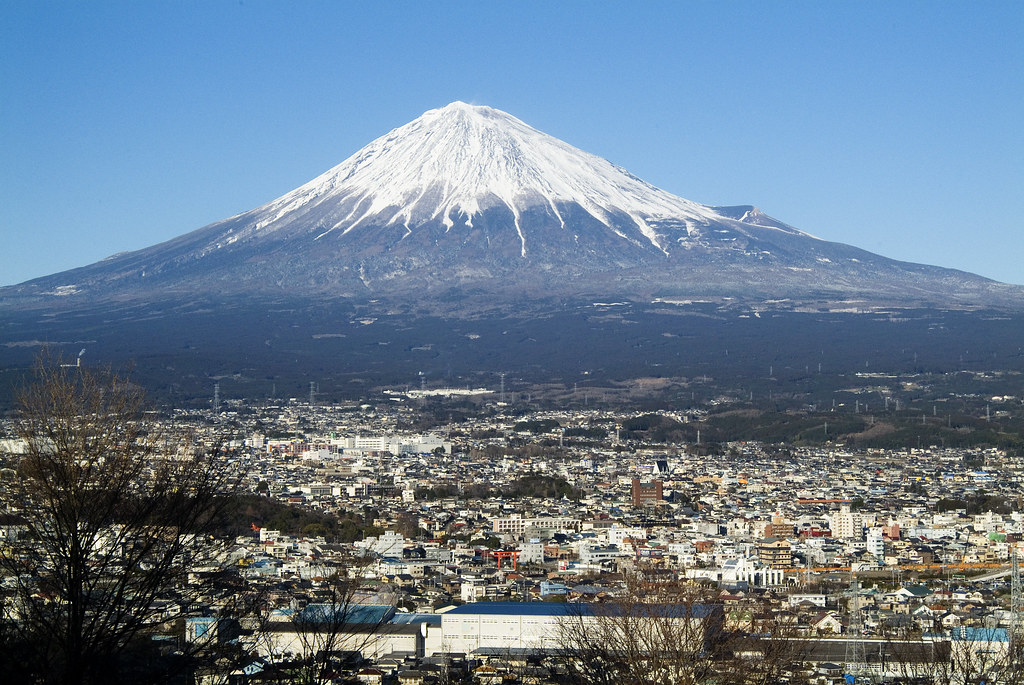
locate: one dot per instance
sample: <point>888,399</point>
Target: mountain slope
<point>470,199</point>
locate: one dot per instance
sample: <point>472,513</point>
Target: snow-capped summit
<point>453,163</point>
<point>470,198</point>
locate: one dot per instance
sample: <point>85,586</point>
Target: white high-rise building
<point>531,552</point>
<point>847,525</point>
<point>875,543</point>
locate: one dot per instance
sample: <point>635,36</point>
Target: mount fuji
<point>467,242</point>
<point>468,200</point>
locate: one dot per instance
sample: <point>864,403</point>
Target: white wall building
<point>516,524</point>
<point>531,552</point>
<point>875,543</point>
<point>846,524</point>
<point>498,627</point>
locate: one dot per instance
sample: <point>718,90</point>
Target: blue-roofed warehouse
<point>543,626</point>
<point>480,628</point>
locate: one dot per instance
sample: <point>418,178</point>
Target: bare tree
<point>1012,672</point>
<point>978,655</point>
<point>965,657</point>
<point>915,660</point>
<point>318,640</point>
<point>672,632</point>
<point>776,653</point>
<point>113,514</point>
<point>653,632</point>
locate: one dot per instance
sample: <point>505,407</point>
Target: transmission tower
<point>1016,604</point>
<point>854,661</point>
<point>312,393</point>
<point>216,398</point>
<point>502,388</point>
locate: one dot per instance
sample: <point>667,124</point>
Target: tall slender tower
<point>312,393</point>
<point>1016,606</point>
<point>216,398</point>
<point>854,661</point>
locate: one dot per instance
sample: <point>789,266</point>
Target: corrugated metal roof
<point>350,613</point>
<point>518,608</point>
<point>413,619</point>
<point>581,609</point>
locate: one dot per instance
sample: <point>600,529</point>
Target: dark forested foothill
<point>247,510</point>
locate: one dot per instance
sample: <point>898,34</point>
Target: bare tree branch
<point>113,512</point>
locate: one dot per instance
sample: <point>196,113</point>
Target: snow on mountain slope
<point>452,163</point>
<point>470,199</point>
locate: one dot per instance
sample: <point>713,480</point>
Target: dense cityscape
<point>365,542</point>
<point>532,343</point>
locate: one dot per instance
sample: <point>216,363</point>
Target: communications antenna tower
<point>216,398</point>
<point>854,661</point>
<point>312,393</point>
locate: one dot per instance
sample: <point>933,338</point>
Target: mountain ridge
<point>466,197</point>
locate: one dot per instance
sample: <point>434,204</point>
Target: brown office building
<point>646,493</point>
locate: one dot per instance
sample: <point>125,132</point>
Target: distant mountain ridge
<point>470,200</point>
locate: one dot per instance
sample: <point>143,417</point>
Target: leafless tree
<point>776,653</point>
<point>656,632</point>
<point>1012,672</point>
<point>981,655</point>
<point>965,658</point>
<point>312,644</point>
<point>113,514</point>
<point>915,660</point>
<point>672,632</point>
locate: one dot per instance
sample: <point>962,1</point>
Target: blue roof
<point>579,608</point>
<point>414,618</point>
<point>969,634</point>
<point>347,613</point>
<point>516,608</point>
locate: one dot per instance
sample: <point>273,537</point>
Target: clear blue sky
<point>894,126</point>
